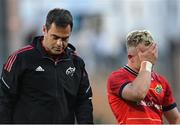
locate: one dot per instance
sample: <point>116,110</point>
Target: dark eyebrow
<point>59,36</point>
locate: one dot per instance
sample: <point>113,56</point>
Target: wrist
<point>146,66</point>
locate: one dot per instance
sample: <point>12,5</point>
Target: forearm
<point>142,82</point>
<point>5,107</point>
<point>7,102</point>
<point>173,116</point>
<point>5,115</point>
<point>84,112</point>
<point>177,121</point>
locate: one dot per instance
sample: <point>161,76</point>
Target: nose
<point>59,42</point>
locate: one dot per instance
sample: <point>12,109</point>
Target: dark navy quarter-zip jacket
<point>36,89</point>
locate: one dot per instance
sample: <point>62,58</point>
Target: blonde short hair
<point>136,37</point>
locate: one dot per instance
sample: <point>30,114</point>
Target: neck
<point>135,68</point>
<point>43,45</point>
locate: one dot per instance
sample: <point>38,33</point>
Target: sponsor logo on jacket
<point>40,69</point>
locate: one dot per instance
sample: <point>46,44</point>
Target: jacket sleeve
<point>84,107</point>
<point>8,88</point>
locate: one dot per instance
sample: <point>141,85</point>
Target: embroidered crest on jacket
<point>70,71</point>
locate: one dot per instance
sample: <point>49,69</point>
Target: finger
<point>139,51</point>
<point>155,51</point>
<point>152,47</point>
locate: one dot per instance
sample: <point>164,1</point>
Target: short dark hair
<point>61,18</point>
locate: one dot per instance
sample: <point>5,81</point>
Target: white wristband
<point>146,65</point>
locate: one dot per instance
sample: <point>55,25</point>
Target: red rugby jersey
<point>148,111</point>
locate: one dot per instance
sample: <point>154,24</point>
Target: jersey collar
<point>130,70</point>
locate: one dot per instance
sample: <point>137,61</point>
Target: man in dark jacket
<point>46,82</point>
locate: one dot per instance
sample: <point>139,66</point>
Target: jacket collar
<point>37,42</point>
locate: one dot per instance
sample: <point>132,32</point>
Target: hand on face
<point>148,53</point>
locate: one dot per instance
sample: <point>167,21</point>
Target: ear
<point>44,30</point>
<point>130,56</point>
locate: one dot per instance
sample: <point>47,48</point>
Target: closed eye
<point>65,39</point>
<point>55,37</point>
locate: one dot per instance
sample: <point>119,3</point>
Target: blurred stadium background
<point>100,27</point>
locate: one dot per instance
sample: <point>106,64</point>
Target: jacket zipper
<point>55,64</point>
<point>56,74</point>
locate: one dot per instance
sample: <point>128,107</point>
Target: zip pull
<point>55,62</point>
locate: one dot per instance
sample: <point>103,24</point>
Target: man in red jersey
<point>137,94</point>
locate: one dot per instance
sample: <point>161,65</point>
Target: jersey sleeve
<point>116,82</point>
<point>169,100</point>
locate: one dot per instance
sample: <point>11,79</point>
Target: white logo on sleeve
<point>40,69</point>
<point>70,71</point>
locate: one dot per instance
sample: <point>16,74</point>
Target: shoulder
<point>77,59</point>
<point>161,80</point>
<point>159,77</point>
<point>117,75</point>
<point>75,56</point>
<point>20,51</point>
<point>15,56</point>
<point>117,79</point>
<point>23,50</point>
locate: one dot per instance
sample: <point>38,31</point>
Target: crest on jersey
<point>158,89</point>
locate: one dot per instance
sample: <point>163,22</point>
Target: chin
<point>57,53</point>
